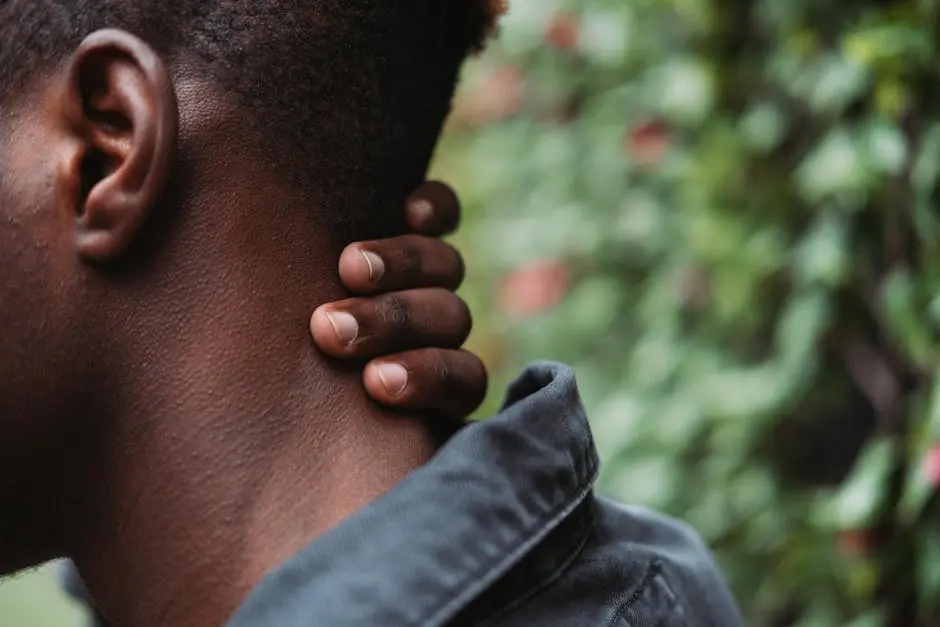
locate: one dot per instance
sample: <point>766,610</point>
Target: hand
<point>408,321</point>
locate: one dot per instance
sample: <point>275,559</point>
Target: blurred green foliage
<point>34,599</point>
<point>723,214</point>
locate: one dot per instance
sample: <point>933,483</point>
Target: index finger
<point>433,209</point>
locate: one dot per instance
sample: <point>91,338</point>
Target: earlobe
<point>122,107</point>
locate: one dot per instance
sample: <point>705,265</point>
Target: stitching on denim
<point>552,578</point>
<point>484,576</point>
<point>654,570</point>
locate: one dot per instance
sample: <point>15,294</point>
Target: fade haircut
<point>348,96</point>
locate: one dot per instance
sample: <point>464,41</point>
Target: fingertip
<point>333,331</point>
<point>433,209</point>
<point>375,265</point>
<point>386,382</point>
<point>420,213</point>
<point>356,269</point>
<point>320,327</point>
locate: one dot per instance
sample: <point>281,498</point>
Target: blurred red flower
<point>855,542</point>
<point>534,287</point>
<point>564,31</point>
<point>490,98</point>
<point>931,466</point>
<point>646,143</point>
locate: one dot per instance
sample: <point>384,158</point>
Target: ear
<point>121,106</point>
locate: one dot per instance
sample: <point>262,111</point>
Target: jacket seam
<point>551,579</point>
<point>654,569</point>
<point>485,575</point>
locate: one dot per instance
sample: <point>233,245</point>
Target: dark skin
<point>446,384</point>
<point>165,421</point>
<point>403,320</point>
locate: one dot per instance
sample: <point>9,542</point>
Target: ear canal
<point>95,167</point>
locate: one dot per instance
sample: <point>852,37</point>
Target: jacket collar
<point>427,549</point>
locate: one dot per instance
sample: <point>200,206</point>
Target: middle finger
<point>371,327</point>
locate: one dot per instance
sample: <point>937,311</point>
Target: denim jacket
<point>501,528</point>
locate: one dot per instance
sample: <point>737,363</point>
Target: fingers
<point>406,262</point>
<point>413,307</point>
<point>390,323</point>
<point>433,209</point>
<point>452,382</point>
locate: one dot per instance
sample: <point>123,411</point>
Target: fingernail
<point>421,210</point>
<point>345,326</point>
<point>376,266</point>
<point>394,378</point>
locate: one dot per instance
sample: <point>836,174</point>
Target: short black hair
<point>353,93</point>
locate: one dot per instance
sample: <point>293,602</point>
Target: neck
<point>231,443</point>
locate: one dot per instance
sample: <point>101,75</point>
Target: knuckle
<point>394,312</point>
<point>443,371</point>
<point>409,259</point>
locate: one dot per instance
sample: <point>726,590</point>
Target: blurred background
<point>723,214</point>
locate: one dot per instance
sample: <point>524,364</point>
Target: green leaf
<point>926,168</point>
<point>888,45</point>
<point>854,505</point>
<point>836,169</point>
<point>886,148</point>
<point>801,324</point>
<point>764,127</point>
<point>822,256</point>
<point>683,90</point>
<point>873,618</point>
<point>923,436</point>
<point>905,316</point>
<point>839,82</point>
<point>928,564</point>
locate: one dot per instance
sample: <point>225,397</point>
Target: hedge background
<point>722,213</point>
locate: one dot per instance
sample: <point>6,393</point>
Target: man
<point>166,423</point>
<point>443,382</point>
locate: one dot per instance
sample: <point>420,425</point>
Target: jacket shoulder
<point>679,584</point>
<point>637,568</point>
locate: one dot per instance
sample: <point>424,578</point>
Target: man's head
<point>118,144</point>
